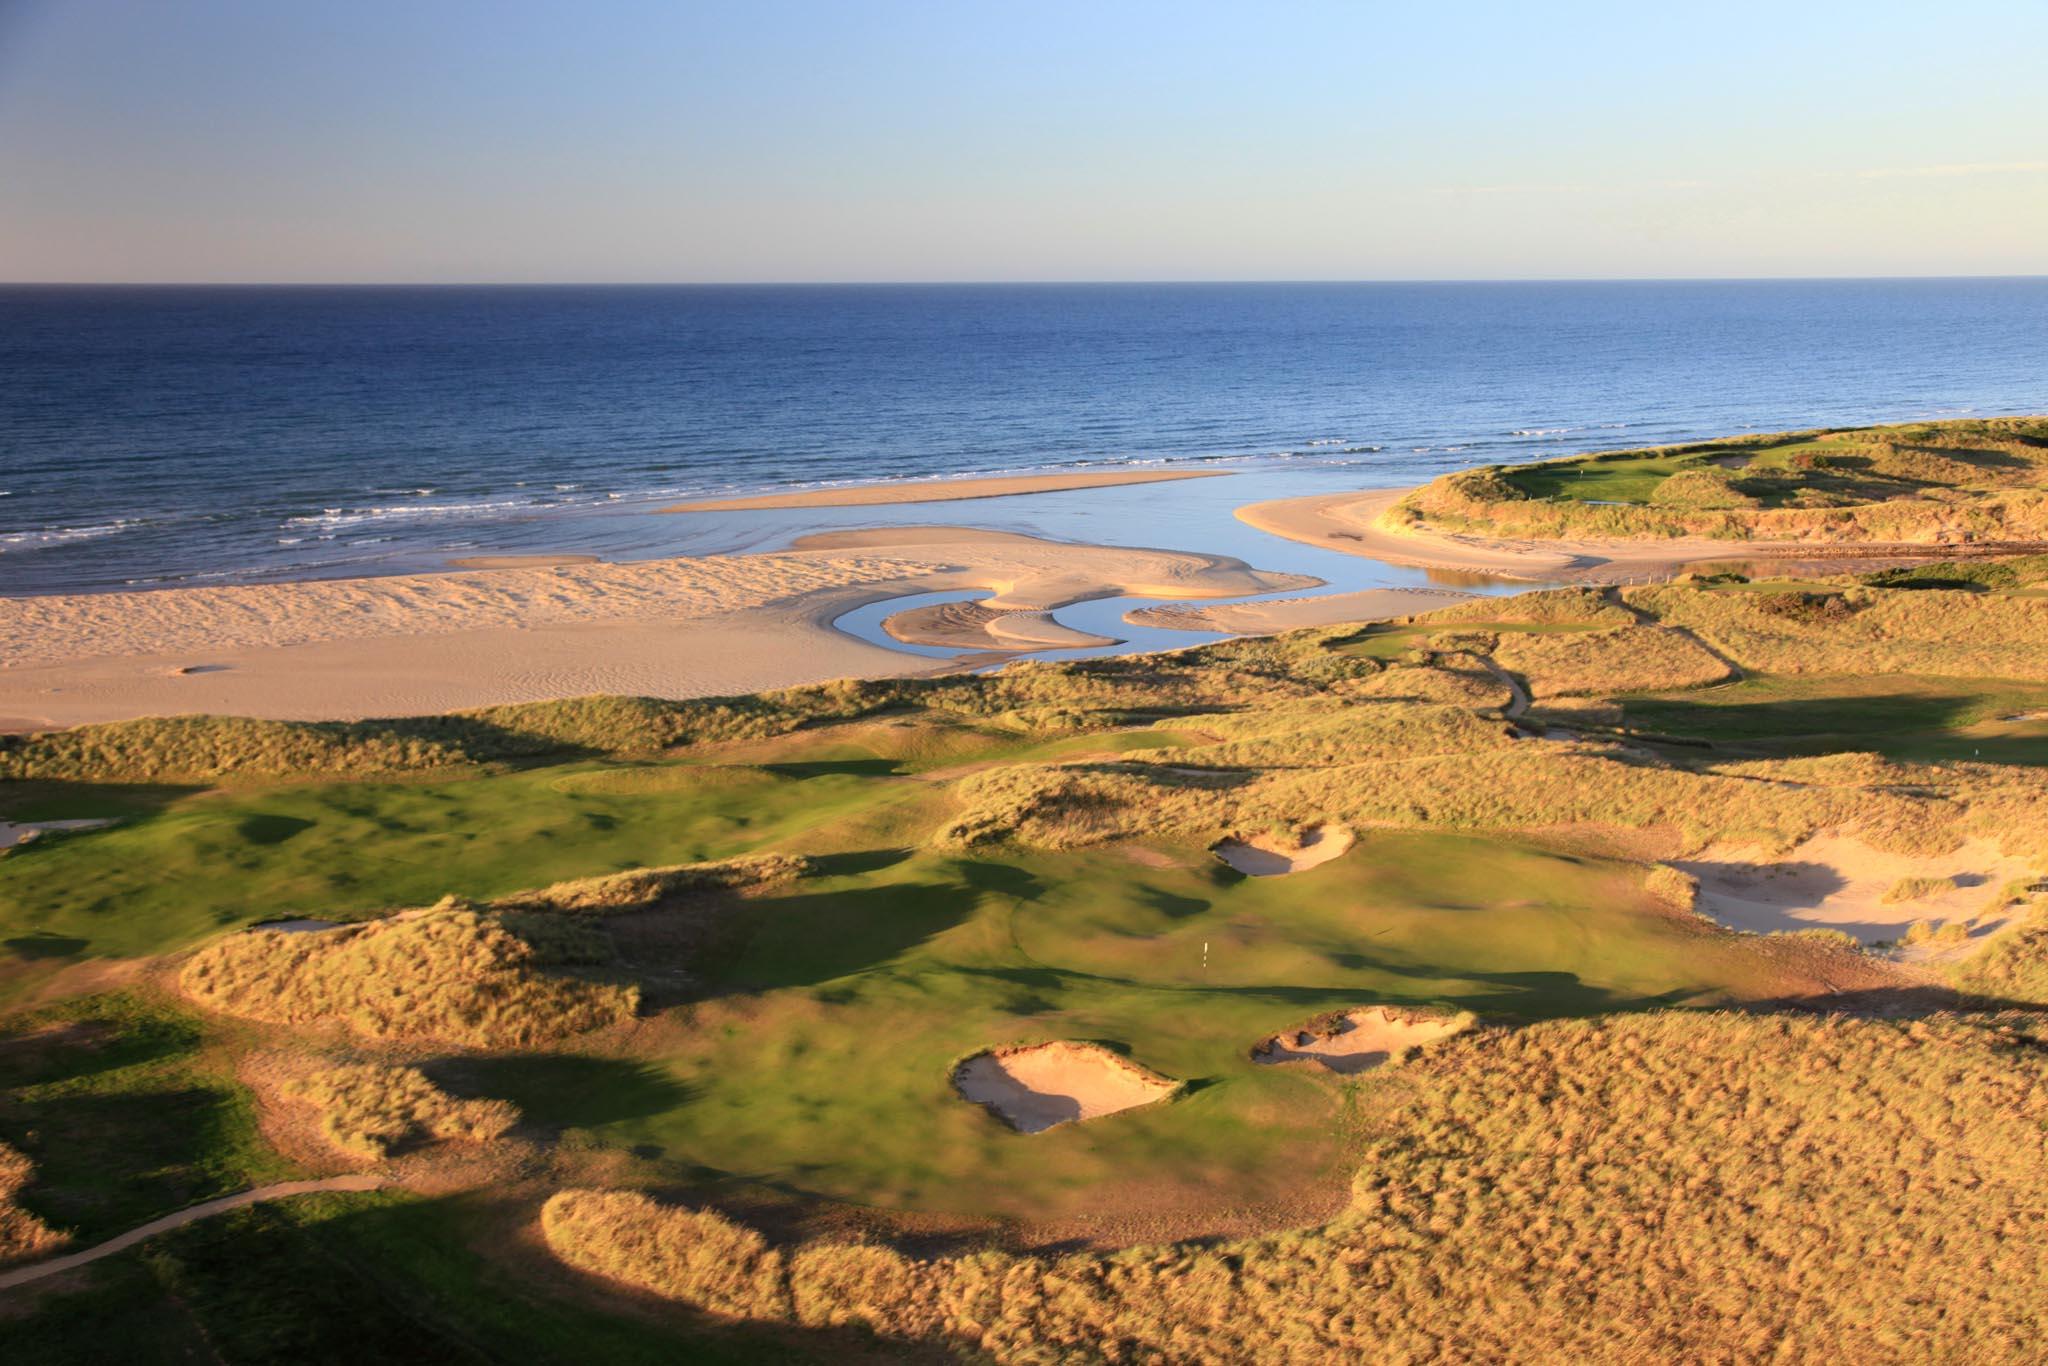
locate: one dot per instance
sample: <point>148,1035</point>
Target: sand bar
<point>938,490</point>
<point>1293,614</point>
<point>421,643</point>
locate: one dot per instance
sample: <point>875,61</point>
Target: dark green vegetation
<point>347,1279</point>
<point>128,1107</point>
<point>967,863</point>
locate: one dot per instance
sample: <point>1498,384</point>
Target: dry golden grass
<point>1861,630</point>
<point>640,889</point>
<point>1915,888</point>
<point>1548,607</point>
<point>2013,966</point>
<point>1650,1187</point>
<point>1602,663</point>
<point>448,974</point>
<point>626,1236</point>
<point>373,1110</point>
<point>22,1234</point>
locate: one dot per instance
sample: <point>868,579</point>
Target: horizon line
<point>997,283</point>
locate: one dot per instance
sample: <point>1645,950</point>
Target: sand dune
<point>939,490</point>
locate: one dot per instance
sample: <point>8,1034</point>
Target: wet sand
<point>939,490</point>
<point>1293,614</point>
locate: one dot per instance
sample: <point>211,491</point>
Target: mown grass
<point>128,1108</point>
<point>852,998</point>
<point>1903,716</point>
<point>1924,482</point>
<point>204,863</point>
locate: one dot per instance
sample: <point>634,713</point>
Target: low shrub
<point>372,1110</point>
<point>22,1234</point>
<point>449,973</point>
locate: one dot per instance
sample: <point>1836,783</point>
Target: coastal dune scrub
<point>449,974</point>
<point>1032,697</point>
<point>22,1234</point>
<point>1601,663</point>
<point>1702,1186</point>
<point>372,1110</point>
<point>639,889</point>
<point>1917,888</point>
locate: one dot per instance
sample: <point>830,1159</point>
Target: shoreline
<point>1351,523</point>
<point>342,649</point>
<point>890,494</point>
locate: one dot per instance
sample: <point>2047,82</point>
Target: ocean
<point>177,435</point>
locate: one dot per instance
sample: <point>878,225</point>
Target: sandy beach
<point>411,644</point>
<point>939,490</point>
<point>1294,614</point>
<point>1351,522</point>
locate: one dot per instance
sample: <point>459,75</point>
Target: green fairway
<point>128,1111</point>
<point>1902,716</point>
<point>1632,477</point>
<point>187,865</point>
<point>823,1064</point>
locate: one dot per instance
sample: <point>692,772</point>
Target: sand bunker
<point>1264,856</point>
<point>1838,882</point>
<point>12,833</point>
<point>1359,1040</point>
<point>1036,1088</point>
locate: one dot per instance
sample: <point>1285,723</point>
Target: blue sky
<point>444,140</point>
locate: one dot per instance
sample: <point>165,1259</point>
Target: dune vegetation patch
<point>1359,1040</point>
<point>1037,1087</point>
<point>1274,856</point>
<point>640,889</point>
<point>447,973</point>
<point>22,1234</point>
<point>374,1110</point>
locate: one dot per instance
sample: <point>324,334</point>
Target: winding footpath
<point>26,1275</point>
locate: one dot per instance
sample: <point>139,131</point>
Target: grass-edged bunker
<point>1359,1040</point>
<point>1036,1087</point>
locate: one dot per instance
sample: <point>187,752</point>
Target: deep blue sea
<point>155,436</point>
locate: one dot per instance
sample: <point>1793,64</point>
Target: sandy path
<point>423,643</point>
<point>940,490</point>
<point>1292,614</point>
<point>25,1275</point>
